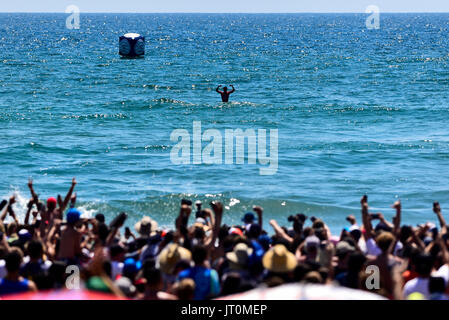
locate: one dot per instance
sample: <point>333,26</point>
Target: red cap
<point>236,231</point>
<point>51,202</point>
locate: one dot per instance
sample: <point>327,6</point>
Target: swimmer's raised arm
<point>233,89</point>
<point>218,90</point>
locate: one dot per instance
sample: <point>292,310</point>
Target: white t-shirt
<point>443,272</point>
<point>418,284</point>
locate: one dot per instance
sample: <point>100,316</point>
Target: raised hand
<point>364,200</point>
<point>436,207</point>
<point>437,210</point>
<point>397,205</point>
<point>258,210</point>
<point>217,207</point>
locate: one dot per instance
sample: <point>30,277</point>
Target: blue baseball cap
<point>249,217</point>
<point>73,215</point>
<point>131,266</point>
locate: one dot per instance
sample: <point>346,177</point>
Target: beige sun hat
<point>171,255</point>
<point>146,226</point>
<point>240,254</point>
<point>279,259</point>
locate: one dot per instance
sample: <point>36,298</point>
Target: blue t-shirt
<point>9,287</point>
<point>206,281</point>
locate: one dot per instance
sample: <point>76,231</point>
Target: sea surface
<point>357,111</point>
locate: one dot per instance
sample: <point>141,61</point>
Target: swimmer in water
<point>225,93</point>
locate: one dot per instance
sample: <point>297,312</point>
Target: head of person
<point>185,289</point>
<point>171,255</point>
<point>239,257</point>
<point>73,216</point>
<point>343,250</point>
<point>231,283</point>
<point>225,89</point>
<point>103,231</point>
<point>248,218</point>
<point>153,278</point>
<point>35,249</point>
<point>356,234</point>
<point>100,217</point>
<point>146,227</point>
<point>51,204</point>
<point>13,260</point>
<point>318,224</point>
<point>117,252</point>
<point>126,286</point>
<point>198,234</point>
<point>311,245</point>
<point>199,254</point>
<point>405,233</point>
<point>279,260</point>
<point>356,262</point>
<point>130,268</point>
<point>313,277</point>
<point>321,234</point>
<point>300,271</point>
<point>57,273</point>
<point>181,266</point>
<point>11,229</point>
<point>384,240</point>
<point>423,263</point>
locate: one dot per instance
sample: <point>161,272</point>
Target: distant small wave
<point>97,116</point>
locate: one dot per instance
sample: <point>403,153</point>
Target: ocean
<point>358,111</point>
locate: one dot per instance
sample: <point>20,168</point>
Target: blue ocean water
<point>357,111</point>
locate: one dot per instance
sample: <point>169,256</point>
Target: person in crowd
<point>203,258</point>
<point>13,282</point>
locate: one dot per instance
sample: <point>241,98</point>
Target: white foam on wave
<point>20,206</point>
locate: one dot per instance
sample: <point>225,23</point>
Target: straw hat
<point>240,254</point>
<point>171,255</point>
<point>146,226</point>
<point>279,259</point>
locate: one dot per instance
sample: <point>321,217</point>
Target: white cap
<point>132,35</point>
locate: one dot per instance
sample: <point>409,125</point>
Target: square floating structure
<point>132,45</point>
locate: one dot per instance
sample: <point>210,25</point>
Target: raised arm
<point>4,208</point>
<point>217,207</point>
<point>233,89</point>
<point>280,232</point>
<point>68,196</point>
<point>259,212</point>
<point>437,210</point>
<point>27,215</point>
<point>218,90</point>
<point>11,212</point>
<point>397,220</point>
<point>33,194</point>
<point>365,218</point>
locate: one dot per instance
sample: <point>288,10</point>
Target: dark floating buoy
<point>132,45</point>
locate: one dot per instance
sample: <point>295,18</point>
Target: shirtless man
<point>225,93</point>
<point>69,246</point>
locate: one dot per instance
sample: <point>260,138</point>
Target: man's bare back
<point>225,93</point>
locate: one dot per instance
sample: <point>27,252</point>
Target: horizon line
<point>239,12</point>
